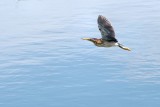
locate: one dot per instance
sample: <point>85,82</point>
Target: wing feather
<point>106,29</point>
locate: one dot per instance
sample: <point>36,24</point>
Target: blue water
<point>44,62</point>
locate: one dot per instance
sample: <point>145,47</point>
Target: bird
<point>108,35</point>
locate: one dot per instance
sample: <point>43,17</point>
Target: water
<point>44,62</point>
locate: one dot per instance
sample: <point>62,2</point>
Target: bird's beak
<point>86,38</point>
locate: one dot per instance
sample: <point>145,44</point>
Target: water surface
<point>44,62</point>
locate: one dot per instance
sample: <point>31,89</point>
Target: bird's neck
<point>98,41</point>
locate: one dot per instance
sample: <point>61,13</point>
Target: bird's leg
<point>123,47</point>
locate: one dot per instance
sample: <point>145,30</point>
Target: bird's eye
<point>100,29</point>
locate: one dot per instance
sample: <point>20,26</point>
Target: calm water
<point>44,62</point>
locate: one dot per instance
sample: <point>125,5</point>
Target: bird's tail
<point>123,47</point>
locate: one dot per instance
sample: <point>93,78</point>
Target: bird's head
<point>93,40</point>
<point>89,39</point>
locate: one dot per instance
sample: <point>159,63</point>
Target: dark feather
<point>106,29</point>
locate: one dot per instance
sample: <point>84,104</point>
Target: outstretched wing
<point>106,29</point>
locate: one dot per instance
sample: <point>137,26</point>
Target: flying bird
<point>108,35</point>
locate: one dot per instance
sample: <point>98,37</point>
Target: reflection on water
<point>44,62</point>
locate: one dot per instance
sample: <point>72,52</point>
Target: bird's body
<point>108,35</point>
<point>102,43</point>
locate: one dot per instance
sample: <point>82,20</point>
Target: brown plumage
<point>108,35</point>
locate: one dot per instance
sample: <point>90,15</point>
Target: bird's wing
<point>106,28</point>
